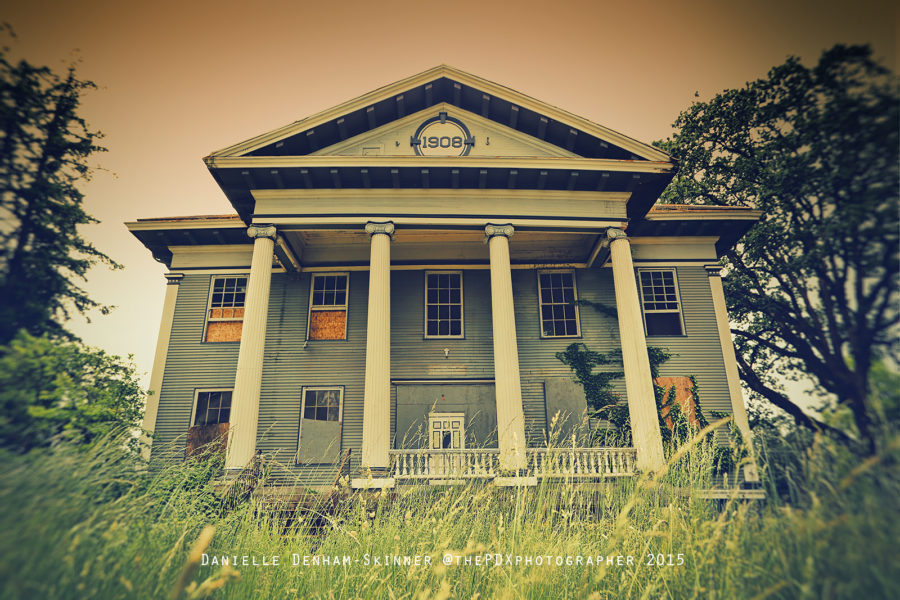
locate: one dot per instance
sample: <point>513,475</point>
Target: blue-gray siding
<point>288,366</point>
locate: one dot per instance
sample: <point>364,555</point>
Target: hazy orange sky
<point>181,79</point>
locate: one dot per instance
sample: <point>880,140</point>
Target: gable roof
<point>458,88</point>
<point>594,158</point>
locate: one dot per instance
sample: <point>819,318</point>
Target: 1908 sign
<point>442,136</point>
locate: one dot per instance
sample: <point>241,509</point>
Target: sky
<point>178,80</point>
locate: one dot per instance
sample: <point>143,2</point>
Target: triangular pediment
<point>444,130</point>
<point>518,125</point>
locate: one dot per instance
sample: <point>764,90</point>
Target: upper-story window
<point>557,296</point>
<point>661,302</point>
<point>225,313</point>
<point>328,306</point>
<point>443,304</point>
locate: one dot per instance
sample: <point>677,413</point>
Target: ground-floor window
<point>209,421</point>
<point>321,412</point>
<point>212,407</point>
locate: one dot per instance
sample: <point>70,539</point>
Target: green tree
<point>52,391</point>
<point>812,288</point>
<point>45,153</point>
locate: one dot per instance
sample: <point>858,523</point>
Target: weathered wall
<point>288,366</point>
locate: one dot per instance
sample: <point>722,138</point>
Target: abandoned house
<point>399,275</point>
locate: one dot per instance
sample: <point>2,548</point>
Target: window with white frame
<point>211,407</point>
<point>320,425</point>
<point>661,302</point>
<point>328,306</point>
<point>443,305</point>
<point>557,296</point>
<point>225,312</point>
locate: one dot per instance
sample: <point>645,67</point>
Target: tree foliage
<point>45,153</point>
<point>52,391</point>
<point>812,288</point>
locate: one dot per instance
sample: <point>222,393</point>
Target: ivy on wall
<point>604,403</point>
<point>675,425</point>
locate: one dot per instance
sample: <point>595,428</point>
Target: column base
<point>382,483</point>
<point>232,473</point>
<point>515,481</point>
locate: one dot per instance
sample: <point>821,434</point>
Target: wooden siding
<point>191,363</point>
<point>288,366</point>
<point>698,352</point>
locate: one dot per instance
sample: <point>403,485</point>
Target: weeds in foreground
<point>82,524</point>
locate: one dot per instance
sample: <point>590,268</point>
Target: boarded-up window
<point>225,314</point>
<point>212,412</point>
<point>327,324</point>
<point>320,425</point>
<point>206,438</point>
<point>684,398</point>
<point>328,306</point>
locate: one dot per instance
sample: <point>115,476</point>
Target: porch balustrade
<point>582,463</point>
<point>445,464</point>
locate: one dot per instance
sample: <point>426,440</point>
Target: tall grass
<point>85,523</point>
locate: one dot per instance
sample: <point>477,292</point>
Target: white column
<point>508,386</point>
<point>738,409</point>
<point>247,381</point>
<point>638,380</point>
<point>377,400</point>
<point>159,362</point>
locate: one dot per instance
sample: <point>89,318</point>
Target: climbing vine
<point>596,372</point>
<point>675,426</point>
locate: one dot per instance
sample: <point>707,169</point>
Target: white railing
<point>444,464</point>
<point>484,463</point>
<point>580,462</point>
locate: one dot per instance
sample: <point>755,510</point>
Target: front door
<point>446,433</point>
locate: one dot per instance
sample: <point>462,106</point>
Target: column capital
<point>614,233</point>
<point>174,278</point>
<point>386,227</point>
<point>491,230</point>
<point>261,231</point>
<point>713,270</point>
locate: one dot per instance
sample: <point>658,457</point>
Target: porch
<point>456,466</point>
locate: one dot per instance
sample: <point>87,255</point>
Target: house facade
<point>402,271</point>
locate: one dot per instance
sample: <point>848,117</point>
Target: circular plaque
<point>442,136</point>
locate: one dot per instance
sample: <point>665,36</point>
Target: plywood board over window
<point>327,324</point>
<point>328,306</point>
<point>684,398</point>
<point>224,331</point>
